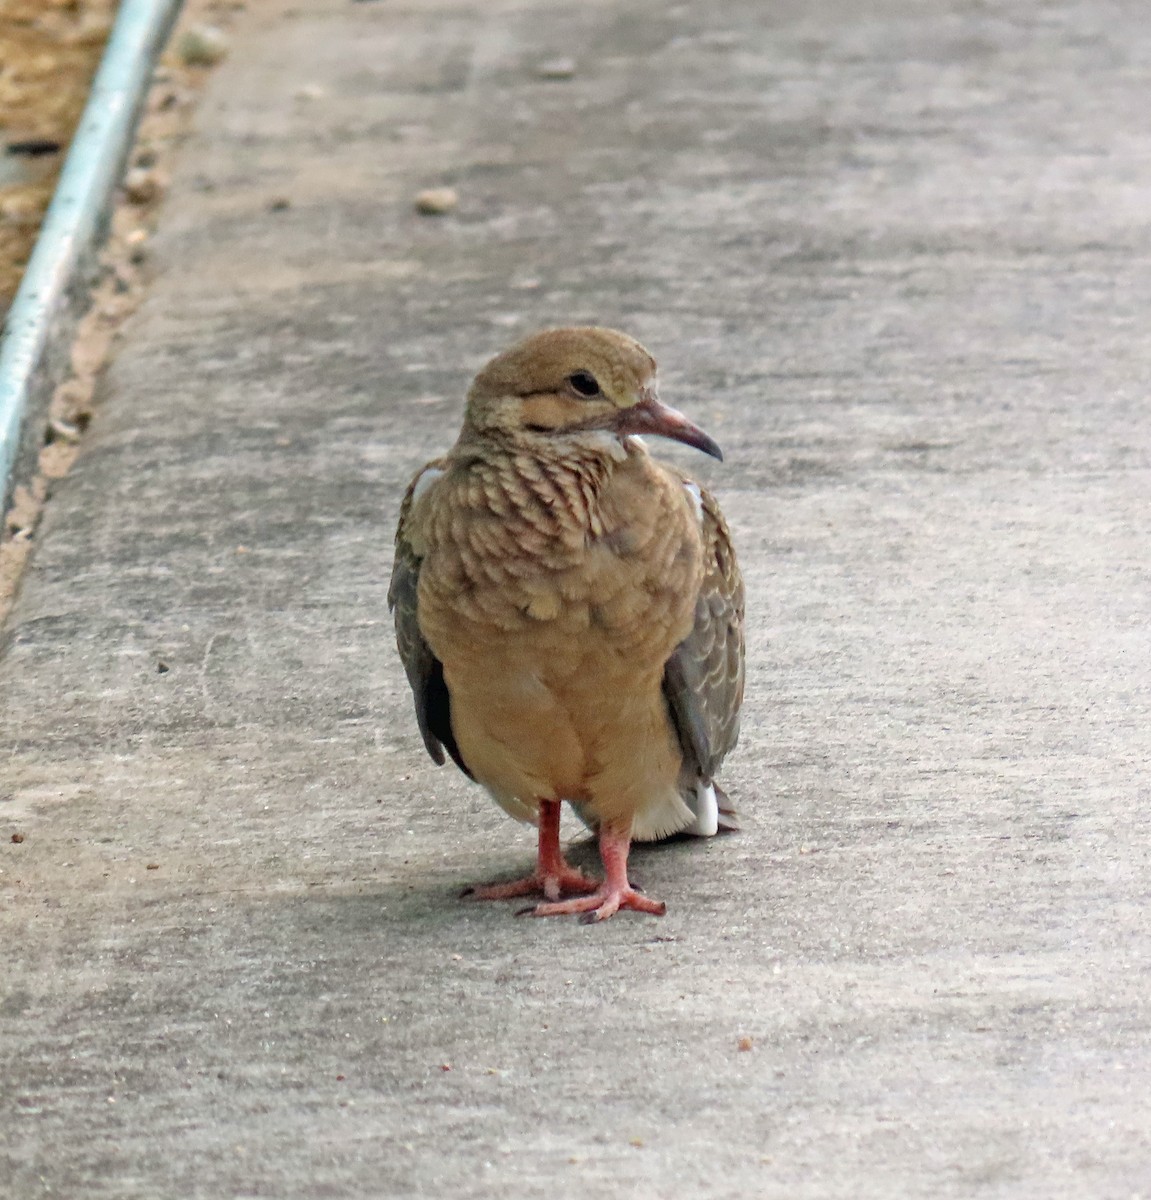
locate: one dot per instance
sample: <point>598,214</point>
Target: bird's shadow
<point>427,900</point>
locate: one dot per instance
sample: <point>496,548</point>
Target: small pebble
<point>142,185</point>
<point>165,98</point>
<point>202,46</point>
<point>556,68</point>
<point>434,202</point>
<point>64,431</point>
<point>20,210</point>
<point>745,1043</point>
<point>17,838</point>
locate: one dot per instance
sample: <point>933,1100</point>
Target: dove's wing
<point>425,672</point>
<point>703,679</point>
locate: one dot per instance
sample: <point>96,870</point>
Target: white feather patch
<point>668,814</point>
<point>426,478</point>
<point>696,497</point>
<point>706,807</point>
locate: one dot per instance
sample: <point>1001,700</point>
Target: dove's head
<point>578,383</point>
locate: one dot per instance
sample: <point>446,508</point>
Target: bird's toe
<point>552,885</point>
<point>603,903</point>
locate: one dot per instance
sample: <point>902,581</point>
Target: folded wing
<point>425,672</point>
<point>703,679</point>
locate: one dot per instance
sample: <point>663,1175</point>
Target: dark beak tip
<point>698,440</point>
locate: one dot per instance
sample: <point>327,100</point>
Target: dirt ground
<point>49,51</point>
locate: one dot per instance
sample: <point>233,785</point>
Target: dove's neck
<point>552,483</point>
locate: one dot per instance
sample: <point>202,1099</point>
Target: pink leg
<point>552,876</point>
<point>614,893</point>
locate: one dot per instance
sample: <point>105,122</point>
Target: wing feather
<point>703,679</point>
<point>425,672</point>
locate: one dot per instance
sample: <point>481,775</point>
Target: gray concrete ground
<point>894,257</point>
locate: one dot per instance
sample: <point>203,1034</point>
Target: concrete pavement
<point>894,257</point>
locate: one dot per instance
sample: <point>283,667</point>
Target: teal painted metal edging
<point>43,314</point>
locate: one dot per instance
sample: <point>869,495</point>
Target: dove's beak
<point>652,416</point>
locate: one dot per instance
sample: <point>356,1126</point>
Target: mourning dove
<point>569,611</point>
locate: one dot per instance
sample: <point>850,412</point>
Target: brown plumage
<point>569,610</point>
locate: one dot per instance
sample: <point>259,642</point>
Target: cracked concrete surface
<point>894,257</point>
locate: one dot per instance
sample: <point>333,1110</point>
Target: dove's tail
<point>728,816</point>
<point>713,811</point>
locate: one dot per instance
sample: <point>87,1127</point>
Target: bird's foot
<point>604,902</point>
<point>552,884</point>
<point>553,877</point>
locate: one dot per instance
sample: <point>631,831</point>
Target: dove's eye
<point>584,382</point>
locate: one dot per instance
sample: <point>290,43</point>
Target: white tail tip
<point>706,808</point>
